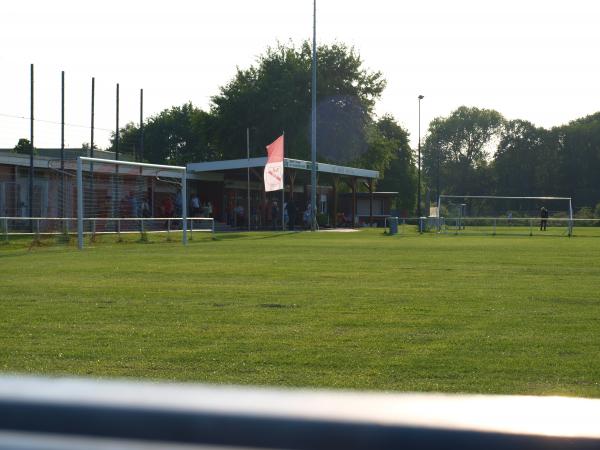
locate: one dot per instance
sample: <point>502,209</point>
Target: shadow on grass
<point>250,236</point>
<point>277,235</point>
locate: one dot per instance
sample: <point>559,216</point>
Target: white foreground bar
<point>302,419</point>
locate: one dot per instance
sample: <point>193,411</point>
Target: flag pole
<point>248,216</point>
<point>283,188</point>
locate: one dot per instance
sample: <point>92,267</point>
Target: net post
<point>570,217</point>
<point>79,204</point>
<point>494,226</point>
<point>530,227</point>
<point>439,226</point>
<point>5,229</point>
<point>184,206</point>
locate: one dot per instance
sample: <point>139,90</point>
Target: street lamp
<point>421,97</point>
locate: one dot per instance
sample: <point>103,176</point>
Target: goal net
<point>470,214</point>
<point>128,198</point>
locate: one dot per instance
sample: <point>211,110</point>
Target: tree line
<point>472,151</point>
<point>478,152</point>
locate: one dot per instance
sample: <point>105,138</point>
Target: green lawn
<point>501,314</point>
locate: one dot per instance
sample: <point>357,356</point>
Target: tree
<point>400,175</point>
<point>458,149</point>
<point>578,150</point>
<point>23,147</point>
<point>519,163</point>
<point>175,136</point>
<point>274,96</point>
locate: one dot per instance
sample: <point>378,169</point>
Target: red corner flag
<point>274,169</point>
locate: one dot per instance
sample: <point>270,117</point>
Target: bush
<point>585,213</point>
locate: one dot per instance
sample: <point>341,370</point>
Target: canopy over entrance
<point>242,191</point>
<point>236,164</point>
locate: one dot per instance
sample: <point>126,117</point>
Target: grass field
<point>361,310</point>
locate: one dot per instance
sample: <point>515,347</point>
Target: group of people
<point>199,209</point>
<point>134,206</point>
<point>269,213</point>
<point>173,206</point>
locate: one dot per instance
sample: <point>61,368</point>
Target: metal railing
<point>531,226</point>
<point>517,226</point>
<point>56,226</point>
<point>41,413</point>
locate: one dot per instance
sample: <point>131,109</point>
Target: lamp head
<point>421,97</point>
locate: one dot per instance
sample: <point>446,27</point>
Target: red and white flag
<point>274,169</point>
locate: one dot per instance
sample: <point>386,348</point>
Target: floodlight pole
<point>92,120</point>
<point>30,193</point>
<point>116,207</point>
<point>419,163</point>
<point>313,132</point>
<point>62,145</point>
<point>141,155</point>
<point>92,201</point>
<point>141,151</point>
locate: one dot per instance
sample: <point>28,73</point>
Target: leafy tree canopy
<point>23,146</point>
<point>275,96</point>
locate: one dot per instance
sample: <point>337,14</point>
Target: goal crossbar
<point>181,170</point>
<point>505,197</point>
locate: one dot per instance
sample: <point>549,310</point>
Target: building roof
<point>236,164</point>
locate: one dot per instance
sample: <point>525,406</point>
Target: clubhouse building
<point>232,191</point>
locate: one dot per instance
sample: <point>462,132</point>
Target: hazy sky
<point>536,60</point>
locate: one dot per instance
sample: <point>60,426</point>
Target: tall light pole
<point>421,97</point>
<point>313,132</point>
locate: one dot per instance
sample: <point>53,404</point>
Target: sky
<point>528,59</point>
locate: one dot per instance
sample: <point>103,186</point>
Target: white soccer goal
<point>124,196</point>
<point>490,214</point>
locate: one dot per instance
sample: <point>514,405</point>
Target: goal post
<point>86,165</point>
<point>503,213</point>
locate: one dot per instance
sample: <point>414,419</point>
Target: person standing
<point>195,203</point>
<point>145,207</point>
<point>544,218</point>
<point>167,209</point>
<point>291,212</point>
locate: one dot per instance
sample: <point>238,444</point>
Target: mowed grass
<point>517,315</point>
